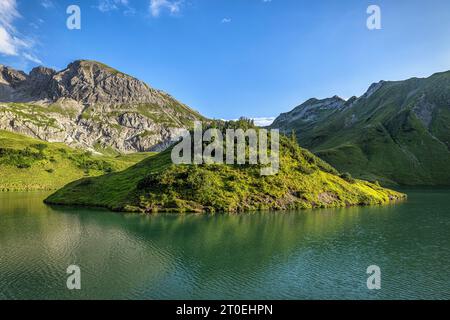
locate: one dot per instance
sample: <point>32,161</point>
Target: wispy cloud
<point>47,4</point>
<point>32,58</point>
<point>8,13</point>
<point>172,6</point>
<point>110,5</point>
<point>7,45</point>
<point>11,41</point>
<point>226,20</point>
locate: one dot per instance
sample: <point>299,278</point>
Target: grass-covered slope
<point>397,133</point>
<point>31,164</point>
<point>155,185</point>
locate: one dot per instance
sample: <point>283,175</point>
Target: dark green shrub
<point>305,169</point>
<point>148,182</point>
<point>85,182</point>
<point>347,177</point>
<point>40,147</point>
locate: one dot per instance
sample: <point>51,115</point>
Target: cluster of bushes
<point>187,188</point>
<point>233,187</point>
<point>319,163</point>
<point>290,145</point>
<point>29,156</point>
<point>186,181</point>
<point>24,158</point>
<point>149,182</point>
<point>305,169</point>
<point>86,162</point>
<point>347,177</point>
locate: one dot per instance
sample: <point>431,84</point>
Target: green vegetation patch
<point>31,164</point>
<point>399,135</point>
<point>156,185</point>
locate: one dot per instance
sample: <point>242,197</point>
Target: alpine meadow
<point>225,156</point>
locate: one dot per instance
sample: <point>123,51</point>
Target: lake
<point>314,254</point>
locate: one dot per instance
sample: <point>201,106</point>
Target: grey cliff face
<point>310,112</point>
<point>92,106</point>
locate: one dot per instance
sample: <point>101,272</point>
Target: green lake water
<point>315,254</point>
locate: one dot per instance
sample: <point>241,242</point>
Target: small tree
<point>293,136</point>
<point>40,147</point>
<point>347,177</point>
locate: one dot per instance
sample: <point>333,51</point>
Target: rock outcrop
<point>91,105</point>
<point>310,111</point>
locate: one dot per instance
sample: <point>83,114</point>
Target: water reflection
<point>296,255</point>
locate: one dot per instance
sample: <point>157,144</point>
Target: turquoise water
<point>320,254</point>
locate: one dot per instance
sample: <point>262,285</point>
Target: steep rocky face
<point>397,132</point>
<point>90,105</point>
<point>94,83</point>
<point>10,79</point>
<point>310,112</point>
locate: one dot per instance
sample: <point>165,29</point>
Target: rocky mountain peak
<point>91,105</point>
<point>11,76</point>
<point>337,98</point>
<point>91,82</point>
<point>85,81</point>
<point>327,103</point>
<point>91,68</point>
<point>332,102</point>
<point>396,132</point>
<point>42,72</point>
<point>310,111</point>
<point>374,87</point>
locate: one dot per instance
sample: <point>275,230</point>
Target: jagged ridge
<point>397,132</point>
<point>91,105</point>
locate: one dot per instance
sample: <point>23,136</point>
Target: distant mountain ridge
<point>90,105</point>
<point>398,132</point>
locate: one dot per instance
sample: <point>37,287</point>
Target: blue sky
<point>231,58</point>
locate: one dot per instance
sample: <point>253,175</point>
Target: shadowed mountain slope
<point>398,132</point>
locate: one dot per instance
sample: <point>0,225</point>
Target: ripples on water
<point>320,254</point>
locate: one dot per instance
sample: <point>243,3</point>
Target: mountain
<point>30,164</point>
<point>157,185</point>
<point>398,132</point>
<point>90,105</point>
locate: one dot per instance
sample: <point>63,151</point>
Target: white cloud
<point>226,20</point>
<point>11,42</point>
<point>110,5</point>
<point>260,122</point>
<point>32,58</point>
<point>8,13</point>
<point>47,4</point>
<point>156,6</point>
<point>7,45</point>
<point>263,122</point>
